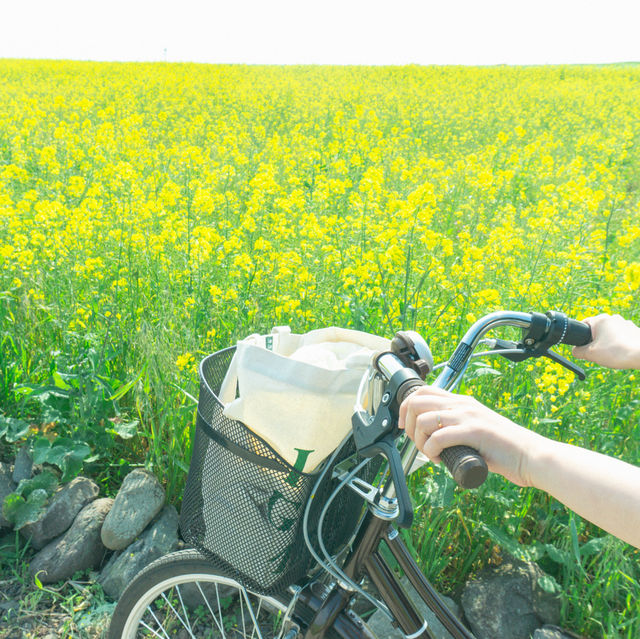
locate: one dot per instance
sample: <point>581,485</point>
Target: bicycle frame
<point>365,558</point>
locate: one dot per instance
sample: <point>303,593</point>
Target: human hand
<point>435,419</point>
<point>616,342</point>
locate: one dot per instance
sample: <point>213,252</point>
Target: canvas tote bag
<point>297,391</point>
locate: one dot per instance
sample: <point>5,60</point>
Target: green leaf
<point>38,497</point>
<point>51,414</point>
<point>59,382</point>
<point>125,388</point>
<point>64,453</point>
<point>125,430</point>
<point>561,557</point>
<point>510,544</point>
<point>593,546</point>
<point>549,584</point>
<point>444,494</point>
<point>56,454</point>
<point>575,544</point>
<point>626,411</point>
<point>42,393</point>
<point>71,463</point>
<point>40,450</point>
<point>46,481</point>
<point>21,512</point>
<point>13,429</point>
<point>181,465</point>
<point>486,371</point>
<point>71,467</point>
<point>480,369</point>
<point>11,505</point>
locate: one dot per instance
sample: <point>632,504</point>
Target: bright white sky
<point>324,31</point>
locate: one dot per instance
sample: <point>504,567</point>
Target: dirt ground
<point>72,610</point>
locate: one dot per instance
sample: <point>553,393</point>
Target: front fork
<point>366,560</point>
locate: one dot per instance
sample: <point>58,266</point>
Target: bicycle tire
<point>153,605</point>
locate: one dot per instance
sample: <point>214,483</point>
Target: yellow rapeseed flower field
<point>160,211</point>
<point>373,197</point>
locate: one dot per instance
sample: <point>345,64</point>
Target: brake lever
<point>377,437</point>
<point>502,344</point>
<point>574,368</point>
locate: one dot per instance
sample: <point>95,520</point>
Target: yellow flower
<point>632,275</point>
<point>184,361</point>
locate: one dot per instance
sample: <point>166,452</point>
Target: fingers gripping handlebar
<point>376,434</point>
<point>466,465</point>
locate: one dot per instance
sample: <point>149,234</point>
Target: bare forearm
<point>604,490</point>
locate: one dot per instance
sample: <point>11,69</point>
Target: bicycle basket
<point>243,504</point>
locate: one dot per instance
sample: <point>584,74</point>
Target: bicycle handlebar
<point>541,331</point>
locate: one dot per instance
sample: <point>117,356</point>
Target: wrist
<point>539,457</point>
<point>635,358</point>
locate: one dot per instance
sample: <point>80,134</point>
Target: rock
<point>159,539</point>
<point>138,501</point>
<point>552,632</point>
<point>506,602</point>
<point>380,625</point>
<point>7,486</point>
<point>79,548</point>
<point>23,465</point>
<point>61,512</point>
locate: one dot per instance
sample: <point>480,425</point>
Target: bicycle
<point>192,593</point>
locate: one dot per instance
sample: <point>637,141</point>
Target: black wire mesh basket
<point>243,504</point>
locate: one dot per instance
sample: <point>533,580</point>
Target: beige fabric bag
<point>298,392</point>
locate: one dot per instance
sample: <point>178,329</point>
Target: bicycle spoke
<point>175,612</point>
<point>166,636</point>
<point>221,624</point>
<point>257,616</point>
<point>194,602</point>
<point>186,614</point>
<point>150,629</point>
<point>254,618</point>
<point>213,615</point>
<point>244,631</point>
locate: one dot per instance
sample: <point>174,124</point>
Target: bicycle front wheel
<point>181,596</point>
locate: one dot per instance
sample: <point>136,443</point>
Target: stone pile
<point>78,530</point>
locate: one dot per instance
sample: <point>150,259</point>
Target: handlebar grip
<point>465,464</point>
<point>578,333</point>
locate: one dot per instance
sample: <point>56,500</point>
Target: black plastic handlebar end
<point>466,466</point>
<point>471,472</point>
